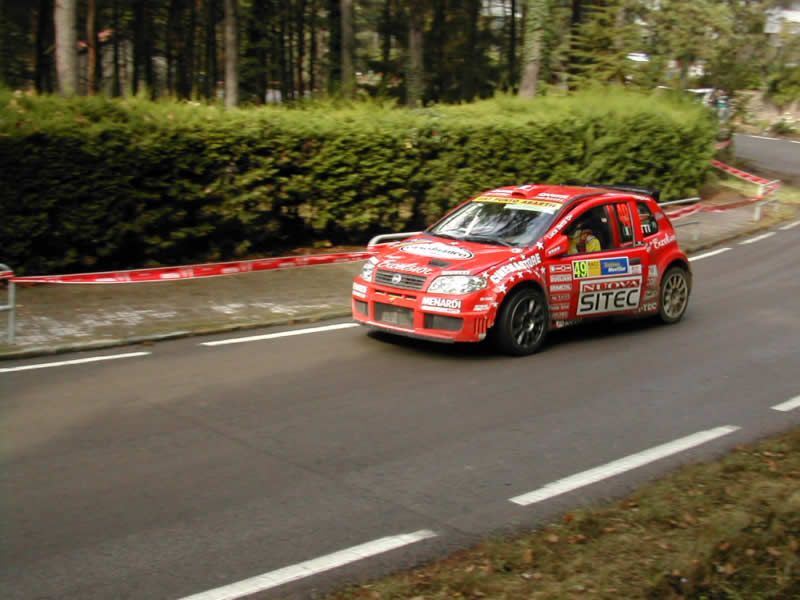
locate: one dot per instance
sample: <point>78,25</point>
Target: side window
<point>625,223</point>
<point>649,223</point>
<point>590,232</point>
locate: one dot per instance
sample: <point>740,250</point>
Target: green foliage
<point>91,183</point>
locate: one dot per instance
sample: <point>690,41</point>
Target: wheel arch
<point>526,283</point>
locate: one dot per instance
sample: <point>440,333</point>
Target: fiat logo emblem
<point>397,278</point>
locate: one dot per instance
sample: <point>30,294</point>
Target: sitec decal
<point>437,250</point>
<point>611,295</point>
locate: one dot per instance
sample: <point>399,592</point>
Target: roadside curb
<point>173,335</point>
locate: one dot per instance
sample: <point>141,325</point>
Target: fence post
<point>11,307</point>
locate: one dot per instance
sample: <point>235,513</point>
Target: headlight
<point>457,284</point>
<point>367,270</point>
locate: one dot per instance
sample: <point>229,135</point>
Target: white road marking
<point>616,467</point>
<point>758,238</point>
<point>78,361</point>
<point>788,405</point>
<point>272,336</point>
<point>708,254</point>
<point>259,583</point>
<point>790,226</point>
<point>772,139</point>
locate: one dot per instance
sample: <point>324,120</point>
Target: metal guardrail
<point>11,302</point>
<point>681,201</point>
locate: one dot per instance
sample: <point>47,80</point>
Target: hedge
<point>94,183</point>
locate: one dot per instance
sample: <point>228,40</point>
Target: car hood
<point>430,256</point>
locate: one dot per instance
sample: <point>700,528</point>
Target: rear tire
<point>522,323</point>
<point>674,295</point>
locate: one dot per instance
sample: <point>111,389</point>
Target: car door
<point>601,277</point>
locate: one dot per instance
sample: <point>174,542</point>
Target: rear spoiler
<point>623,187</point>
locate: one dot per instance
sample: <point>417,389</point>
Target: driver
<point>582,239</point>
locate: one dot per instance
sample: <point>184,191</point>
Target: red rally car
<point>516,262</point>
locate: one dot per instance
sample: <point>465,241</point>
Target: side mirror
<point>556,247</point>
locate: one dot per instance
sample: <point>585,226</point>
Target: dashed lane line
<point>77,361</point>
<point>790,226</point>
<point>266,581</point>
<point>788,405</point>
<point>708,254</point>
<point>573,482</point>
<point>281,334</point>
<point>758,238</point>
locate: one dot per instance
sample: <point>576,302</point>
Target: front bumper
<point>421,315</point>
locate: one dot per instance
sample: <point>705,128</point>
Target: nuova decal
<point>436,304</point>
<point>560,297</point>
<point>564,277</point>
<point>359,289</point>
<point>561,287</point>
<point>406,267</point>
<point>437,250</point>
<point>515,267</point>
<point>609,295</point>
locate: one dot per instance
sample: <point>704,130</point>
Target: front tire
<point>522,323</point>
<point>674,295</point>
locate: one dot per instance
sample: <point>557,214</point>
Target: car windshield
<point>498,220</point>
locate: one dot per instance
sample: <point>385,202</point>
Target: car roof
<point>561,194</point>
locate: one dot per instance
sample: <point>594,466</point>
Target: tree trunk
<point>116,87</point>
<point>44,48</point>
<point>535,20</point>
<point>348,49</point>
<point>66,46</point>
<point>415,70</point>
<point>210,83</point>
<point>301,46</point>
<point>334,46</point>
<point>512,48</point>
<point>231,54</point>
<point>187,77</point>
<point>438,72</point>
<point>91,47</point>
<point>469,76</point>
<point>258,34</point>
<point>174,32</point>
<point>312,51</point>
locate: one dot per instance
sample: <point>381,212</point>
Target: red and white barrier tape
<point>769,187</point>
<point>6,274</point>
<point>197,271</point>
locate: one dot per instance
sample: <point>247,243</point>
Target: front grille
<point>408,282</point>
<point>443,322</point>
<point>360,306</point>
<point>394,315</point>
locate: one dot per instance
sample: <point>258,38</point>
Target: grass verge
<point>725,530</point>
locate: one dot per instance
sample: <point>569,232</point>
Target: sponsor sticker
<point>359,289</point>
<point>564,277</point>
<point>649,307</point>
<point>560,297</point>
<point>437,304</point>
<point>609,295</point>
<point>559,315</point>
<point>553,196</point>
<point>561,287</point>
<point>660,242</point>
<point>600,267</point>
<point>405,267</point>
<point>560,307</point>
<point>522,203</point>
<point>636,269</point>
<point>515,267</point>
<point>455,272</point>
<point>558,227</point>
<point>437,250</point>
<point>563,268</point>
<point>481,307</point>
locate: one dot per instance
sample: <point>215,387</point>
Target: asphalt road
<point>193,467</point>
<point>777,157</point>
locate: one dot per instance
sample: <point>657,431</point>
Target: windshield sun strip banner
<point>522,203</point>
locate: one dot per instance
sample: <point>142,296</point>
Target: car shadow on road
<point>582,332</point>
